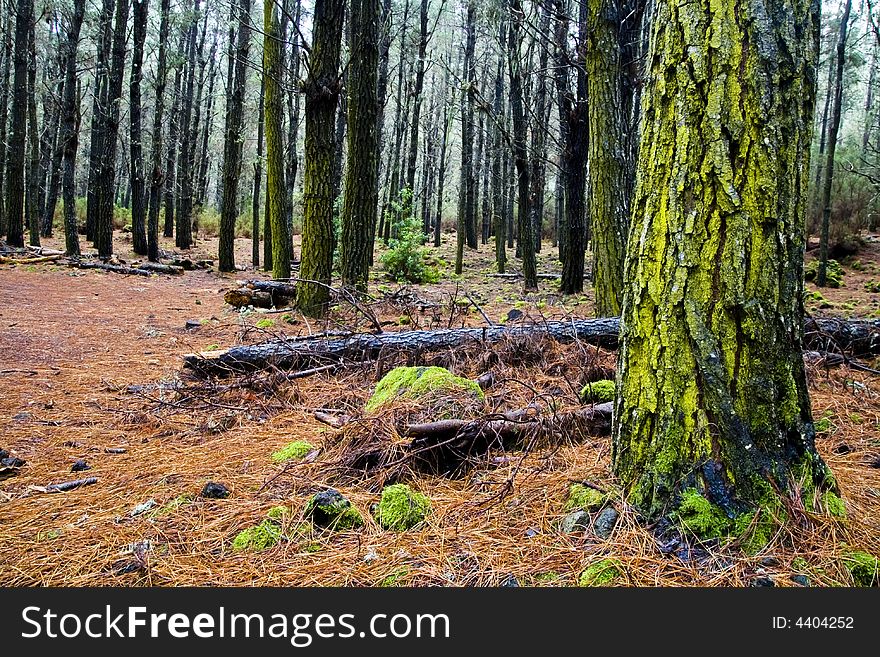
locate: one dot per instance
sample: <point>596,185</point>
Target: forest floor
<point>82,352</point>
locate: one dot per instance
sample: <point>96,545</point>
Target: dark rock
<point>4,454</point>
<point>803,580</point>
<point>510,582</point>
<point>604,524</point>
<point>331,509</point>
<point>762,581</point>
<point>687,553</point>
<point>21,417</point>
<point>842,448</point>
<point>79,465</point>
<point>12,462</point>
<point>875,463</point>
<point>513,314</point>
<point>531,532</point>
<point>215,491</point>
<point>192,324</point>
<point>770,561</point>
<point>576,521</point>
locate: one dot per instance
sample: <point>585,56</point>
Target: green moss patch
<point>700,516</point>
<point>601,573</point>
<point>834,506</point>
<point>420,383</point>
<point>329,509</point>
<point>258,537</point>
<point>599,391</point>
<point>864,568</point>
<point>833,272</point>
<point>292,451</point>
<point>584,497</point>
<point>401,508</point>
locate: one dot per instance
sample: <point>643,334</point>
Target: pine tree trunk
<point>183,238</point>
<point>32,209</point>
<point>322,90</point>
<point>157,176</point>
<point>500,225</point>
<point>293,116</point>
<point>526,238</point>
<point>232,141</point>
<point>273,64</point>
<point>69,138</point>
<point>441,164</point>
<point>170,190</point>
<point>608,185</point>
<point>105,183</point>
<point>713,397</point>
<point>833,129</point>
<point>417,105</point>
<point>100,89</point>
<point>467,129</point>
<point>15,168</point>
<point>361,174</point>
<point>258,184</point>
<point>138,179</point>
<point>8,22</point>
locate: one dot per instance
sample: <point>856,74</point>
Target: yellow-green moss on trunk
<point>713,394</point>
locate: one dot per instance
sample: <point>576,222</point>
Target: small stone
<point>4,454</point>
<point>842,448</point>
<point>803,580</point>
<point>762,581</point>
<point>770,561</point>
<point>370,555</point>
<point>510,582</point>
<point>13,462</point>
<point>143,508</point>
<point>192,324</point>
<point>576,521</point>
<point>875,463</point>
<point>604,524</point>
<point>531,532</point>
<point>215,491</point>
<point>79,465</point>
<point>330,509</point>
<point>513,314</point>
<point>21,417</point>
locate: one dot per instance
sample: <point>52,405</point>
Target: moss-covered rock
<point>599,391</point>
<point>258,537</point>
<point>292,451</point>
<point>833,504</point>
<point>427,385</point>
<point>601,573</point>
<point>585,498</point>
<point>401,508</point>
<point>864,567</point>
<point>329,509</point>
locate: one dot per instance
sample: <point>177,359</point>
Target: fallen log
<point>855,337</point>
<point>28,261</point>
<point>70,485</point>
<point>540,277</point>
<point>159,268</point>
<point>241,297</point>
<point>299,354</point>
<point>116,269</point>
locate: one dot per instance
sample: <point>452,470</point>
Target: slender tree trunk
<point>467,139</point>
<point>441,164</point>
<point>15,180</point>
<point>608,185</point>
<point>293,117</point>
<point>183,238</point>
<point>138,179</point>
<point>32,209</point>
<point>157,176</point>
<point>498,219</point>
<point>171,162</point>
<point>107,179</point>
<point>520,151</point>
<point>870,110</point>
<point>100,90</point>
<point>8,23</point>
<point>273,64</point>
<point>713,411</point>
<point>417,104</point>
<point>232,148</point>
<point>361,174</point>
<point>70,122</point>
<point>833,129</point>
<point>258,183</point>
<point>539,132</point>
<point>322,91</point>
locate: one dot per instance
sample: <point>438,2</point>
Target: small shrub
<point>405,260</point>
<point>833,273</point>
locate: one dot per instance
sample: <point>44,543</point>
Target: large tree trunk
<point>608,171</point>
<point>855,337</point>
<point>713,399</point>
<point>157,176</point>
<point>105,194</point>
<point>69,138</point>
<point>15,180</point>
<point>4,102</point>
<point>232,144</point>
<point>273,65</point>
<point>500,225</point>
<point>32,210</point>
<point>255,202</point>
<point>99,112</point>
<point>833,129</point>
<point>138,182</point>
<point>322,92</point>
<point>362,172</point>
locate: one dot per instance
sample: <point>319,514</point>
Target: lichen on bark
<point>712,388</point>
